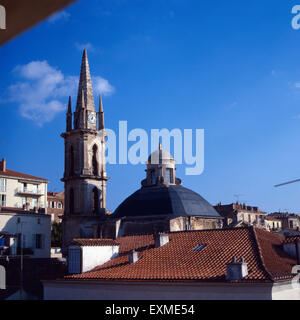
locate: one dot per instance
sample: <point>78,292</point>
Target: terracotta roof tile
<point>291,239</point>
<point>94,242</point>
<point>12,173</point>
<point>178,261</point>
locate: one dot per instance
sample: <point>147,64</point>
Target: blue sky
<point>229,67</point>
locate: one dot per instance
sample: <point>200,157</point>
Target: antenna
<point>285,183</point>
<point>237,196</point>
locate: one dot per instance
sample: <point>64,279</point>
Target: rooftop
<point>162,200</point>
<point>179,261</point>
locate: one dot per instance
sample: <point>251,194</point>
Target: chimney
<point>236,270</point>
<point>133,257</point>
<point>3,165</point>
<point>160,239</point>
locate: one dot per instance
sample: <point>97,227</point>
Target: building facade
<point>289,221</point>
<point>20,190</point>
<point>237,214</point>
<point>55,204</point>
<point>84,175</point>
<point>273,224</point>
<point>29,231</point>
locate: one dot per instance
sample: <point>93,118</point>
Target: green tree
<point>56,234</point>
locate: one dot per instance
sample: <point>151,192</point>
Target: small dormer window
<point>200,247</point>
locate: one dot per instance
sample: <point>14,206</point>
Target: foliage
<point>56,234</point>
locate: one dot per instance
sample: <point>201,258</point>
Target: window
<point>249,217</point>
<point>34,203</point>
<point>3,185</point>
<point>24,187</point>
<point>152,177</point>
<point>53,204</point>
<point>291,224</point>
<point>59,205</point>
<point>38,241</point>
<point>169,175</point>
<point>74,260</point>
<point>94,161</point>
<point>35,188</point>
<point>199,247</point>
<point>3,200</point>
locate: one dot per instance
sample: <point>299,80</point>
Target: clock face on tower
<point>92,118</point>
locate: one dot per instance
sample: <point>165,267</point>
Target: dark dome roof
<point>173,200</point>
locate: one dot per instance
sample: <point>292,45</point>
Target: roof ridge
<point>19,174</point>
<point>260,256</point>
<point>184,231</point>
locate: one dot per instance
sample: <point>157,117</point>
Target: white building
<point>20,190</point>
<point>23,203</point>
<point>35,229</point>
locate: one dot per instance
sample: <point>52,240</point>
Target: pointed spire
<point>101,114</point>
<point>69,105</point>
<point>85,85</point>
<point>69,116</point>
<point>100,104</point>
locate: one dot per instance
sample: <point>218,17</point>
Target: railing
<point>29,191</point>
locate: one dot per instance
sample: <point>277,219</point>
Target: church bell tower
<point>84,174</point>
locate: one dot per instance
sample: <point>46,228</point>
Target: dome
<point>173,200</point>
<point>161,155</point>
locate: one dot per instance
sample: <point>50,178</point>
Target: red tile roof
<point>12,173</point>
<point>178,261</point>
<point>94,242</point>
<point>291,240</point>
<point>271,218</point>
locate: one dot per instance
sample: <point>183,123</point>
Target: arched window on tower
<point>71,206</point>
<point>95,161</point>
<point>71,161</point>
<point>169,175</point>
<point>95,200</point>
<point>152,177</point>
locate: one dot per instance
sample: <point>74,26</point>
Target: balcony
<point>29,192</point>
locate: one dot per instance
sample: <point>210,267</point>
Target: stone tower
<point>84,176</point>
